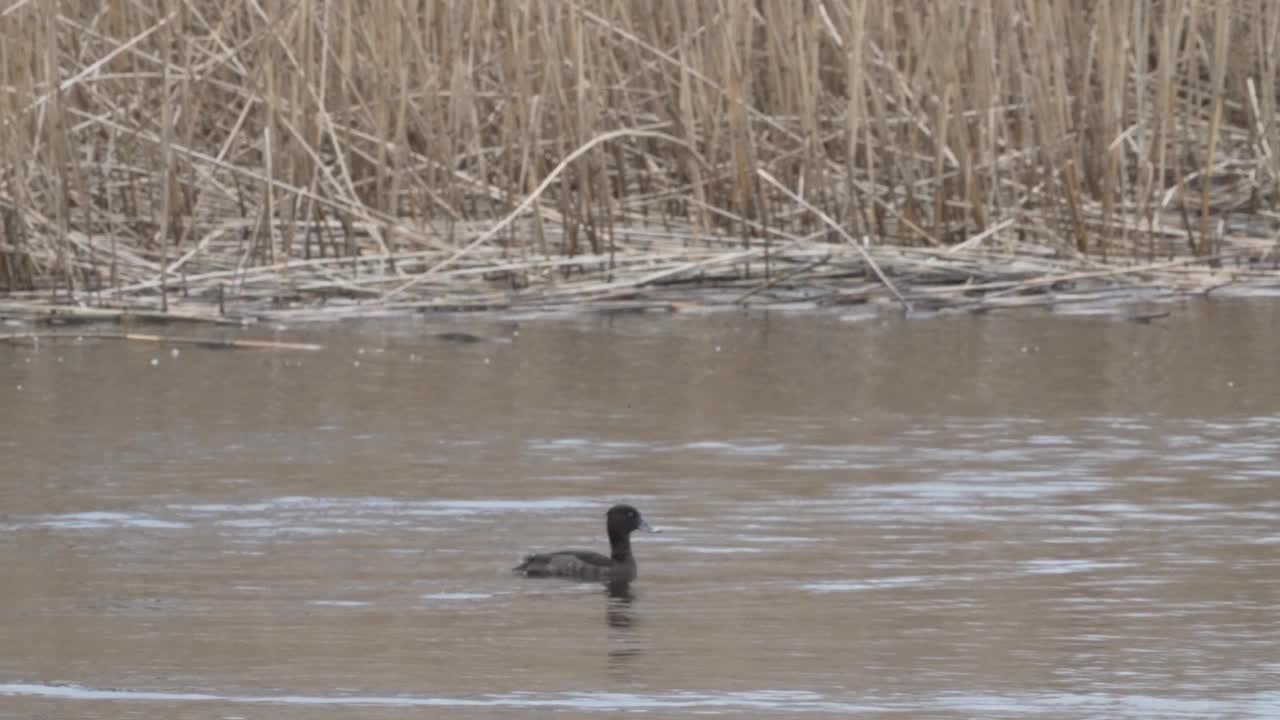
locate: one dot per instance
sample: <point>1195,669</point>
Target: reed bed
<point>230,159</point>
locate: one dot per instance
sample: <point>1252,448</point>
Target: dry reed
<point>317,159</point>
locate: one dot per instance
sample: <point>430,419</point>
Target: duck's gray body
<point>579,564</point>
<point>618,566</point>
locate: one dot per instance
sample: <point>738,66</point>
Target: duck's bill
<point>645,526</point>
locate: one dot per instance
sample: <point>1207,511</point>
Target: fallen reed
<point>214,158</point>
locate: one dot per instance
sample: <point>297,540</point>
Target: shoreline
<point>916,280</point>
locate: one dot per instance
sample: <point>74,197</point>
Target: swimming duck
<point>617,566</point>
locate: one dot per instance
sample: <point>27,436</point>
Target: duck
<point>619,566</point>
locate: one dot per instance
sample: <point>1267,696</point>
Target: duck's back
<point>581,564</point>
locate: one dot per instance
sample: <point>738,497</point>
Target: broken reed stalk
<point>445,154</point>
<point>216,343</point>
<point>532,198</point>
<point>836,228</point>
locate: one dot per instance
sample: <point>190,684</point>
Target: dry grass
<point>198,155</point>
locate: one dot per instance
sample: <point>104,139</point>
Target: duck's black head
<point>622,520</point>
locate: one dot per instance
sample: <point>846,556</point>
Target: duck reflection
<point>619,618</point>
<point>618,601</point>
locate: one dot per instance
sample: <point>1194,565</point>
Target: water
<point>1000,516</point>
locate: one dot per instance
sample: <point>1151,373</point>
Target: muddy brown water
<point>1001,516</point>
